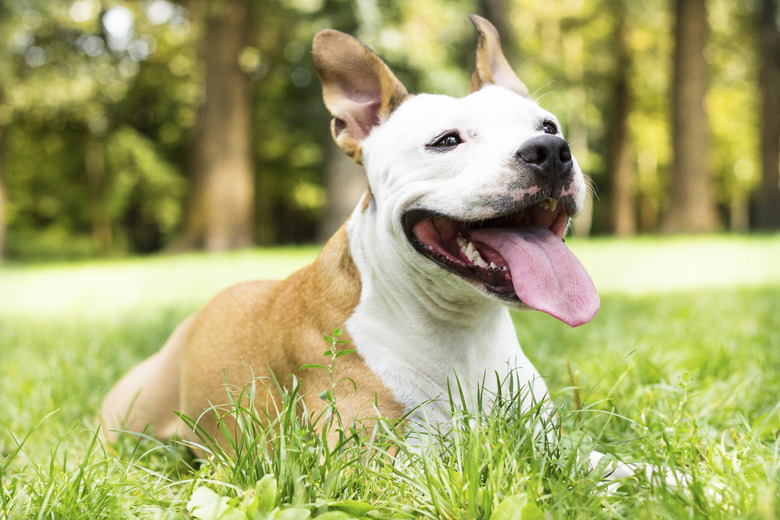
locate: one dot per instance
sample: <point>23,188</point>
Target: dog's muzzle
<point>517,256</point>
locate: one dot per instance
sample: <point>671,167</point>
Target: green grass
<point>681,368</point>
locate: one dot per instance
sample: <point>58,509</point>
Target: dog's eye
<point>446,141</point>
<point>549,127</point>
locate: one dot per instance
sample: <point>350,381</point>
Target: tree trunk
<point>692,206</point>
<point>769,86</point>
<point>345,183</point>
<point>739,212</point>
<point>220,210</point>
<point>498,13</point>
<point>619,164</point>
<point>577,132</point>
<point>95,166</point>
<point>2,198</point>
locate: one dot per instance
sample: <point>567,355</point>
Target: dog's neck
<point>417,327</point>
<point>412,292</point>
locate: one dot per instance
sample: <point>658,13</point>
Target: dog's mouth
<point>518,257</point>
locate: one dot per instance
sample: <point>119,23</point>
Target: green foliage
<point>44,195</point>
<point>516,507</point>
<point>205,504</point>
<point>73,88</point>
<point>146,192</point>
<point>67,80</point>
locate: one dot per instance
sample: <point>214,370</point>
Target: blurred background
<point>147,126</point>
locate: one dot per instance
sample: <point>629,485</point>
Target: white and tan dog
<point>467,206</point>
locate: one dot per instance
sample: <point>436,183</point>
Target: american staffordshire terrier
<point>467,206</point>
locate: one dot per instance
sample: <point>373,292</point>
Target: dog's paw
<point>609,467</point>
<point>616,472</point>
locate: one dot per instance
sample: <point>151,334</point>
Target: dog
<point>467,205</point>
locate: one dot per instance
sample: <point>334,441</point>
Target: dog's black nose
<point>547,155</point>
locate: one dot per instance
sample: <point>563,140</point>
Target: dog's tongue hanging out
<point>545,274</point>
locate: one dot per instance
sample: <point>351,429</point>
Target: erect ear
<point>492,67</point>
<point>359,90</point>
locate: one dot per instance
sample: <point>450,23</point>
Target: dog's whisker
<point>536,97</point>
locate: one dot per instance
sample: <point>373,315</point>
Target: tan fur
<point>366,200</point>
<point>491,66</point>
<point>358,88</point>
<point>260,330</point>
<point>250,330</point>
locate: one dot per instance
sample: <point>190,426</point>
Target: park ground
<point>680,368</point>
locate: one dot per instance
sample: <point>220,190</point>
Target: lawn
<point>680,369</point>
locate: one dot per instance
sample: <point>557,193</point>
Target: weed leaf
<point>353,507</point>
<point>205,504</point>
<point>294,513</point>
<point>335,515</point>
<point>311,365</point>
<point>265,495</point>
<point>516,507</point>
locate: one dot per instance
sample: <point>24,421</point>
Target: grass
<point>680,369</point>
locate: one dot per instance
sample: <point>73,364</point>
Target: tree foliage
<point>99,104</point>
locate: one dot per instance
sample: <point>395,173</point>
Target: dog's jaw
<point>417,329</point>
<point>451,244</point>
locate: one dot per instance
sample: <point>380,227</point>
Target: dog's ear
<point>492,67</point>
<point>359,90</point>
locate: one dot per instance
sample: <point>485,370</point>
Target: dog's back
<point>245,334</point>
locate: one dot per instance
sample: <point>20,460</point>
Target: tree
<point>691,203</point>
<point>220,210</point>
<point>76,82</point>
<point>2,200</point>
<point>769,86</point>
<point>497,12</point>
<point>619,158</point>
<point>345,183</point>
<point>95,169</point>
<point>3,13</point>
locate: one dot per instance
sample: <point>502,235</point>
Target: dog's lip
<point>445,250</point>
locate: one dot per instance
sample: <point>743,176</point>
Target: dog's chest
<point>424,368</point>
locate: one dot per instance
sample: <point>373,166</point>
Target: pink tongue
<point>545,274</point>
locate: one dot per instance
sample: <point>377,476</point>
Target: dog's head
<point>482,187</point>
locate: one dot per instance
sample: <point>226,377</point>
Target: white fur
<point>417,324</point>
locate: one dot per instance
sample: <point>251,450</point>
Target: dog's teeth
<point>477,259</point>
<point>471,252</point>
<point>545,204</point>
<point>505,269</point>
<point>552,204</point>
<point>466,247</point>
<point>493,265</point>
